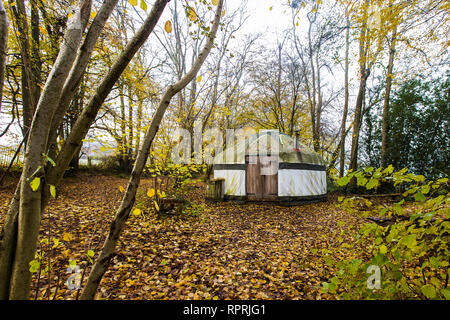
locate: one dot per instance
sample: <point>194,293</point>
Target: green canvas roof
<point>265,143</point>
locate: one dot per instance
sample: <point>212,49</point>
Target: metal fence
<point>7,154</point>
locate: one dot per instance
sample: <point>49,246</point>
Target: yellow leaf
<point>215,2</point>
<point>223,13</point>
<point>35,184</point>
<point>53,191</point>
<point>137,212</point>
<point>270,9</point>
<point>151,192</point>
<point>121,189</point>
<point>133,2</point>
<point>67,236</point>
<point>192,15</point>
<point>168,26</point>
<point>143,5</point>
<point>156,205</point>
<point>199,78</point>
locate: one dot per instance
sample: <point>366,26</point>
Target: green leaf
<point>418,196</point>
<point>446,293</point>
<point>35,183</point>
<point>383,249</point>
<point>361,181</point>
<point>90,253</point>
<point>389,169</point>
<point>428,291</point>
<point>343,181</point>
<point>419,178</point>
<point>425,189</point>
<point>34,266</point>
<point>409,241</point>
<point>371,184</point>
<point>53,191</point>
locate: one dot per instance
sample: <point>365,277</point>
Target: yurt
<point>271,166</point>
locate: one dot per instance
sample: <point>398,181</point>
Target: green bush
<point>407,241</point>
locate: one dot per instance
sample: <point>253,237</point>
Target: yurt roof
<point>267,141</point>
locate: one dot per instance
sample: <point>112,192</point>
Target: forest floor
<point>223,250</point>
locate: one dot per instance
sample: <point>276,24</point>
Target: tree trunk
<point>28,99</point>
<point>128,200</point>
<point>357,123</point>
<point>344,114</point>
<point>4,25</point>
<point>364,74</point>
<point>30,201</point>
<point>8,244</point>
<point>384,130</point>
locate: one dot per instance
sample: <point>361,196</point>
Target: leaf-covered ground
<point>215,251</point>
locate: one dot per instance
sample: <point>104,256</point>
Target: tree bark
<point>384,130</point>
<point>28,99</point>
<point>128,200</point>
<point>344,114</point>
<point>364,73</point>
<point>4,26</point>
<point>8,244</point>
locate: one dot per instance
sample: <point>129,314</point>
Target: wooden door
<point>262,176</point>
<point>254,181</point>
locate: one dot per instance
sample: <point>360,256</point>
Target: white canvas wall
<point>301,182</point>
<point>234,181</point>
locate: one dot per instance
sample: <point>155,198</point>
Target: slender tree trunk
<point>364,72</point>
<point>357,123</point>
<point>138,124</point>
<point>35,53</point>
<point>128,200</point>
<point>130,155</point>
<point>344,114</point>
<point>123,129</point>
<point>384,131</point>
<point>4,26</point>
<point>8,244</point>
<point>28,99</point>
